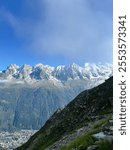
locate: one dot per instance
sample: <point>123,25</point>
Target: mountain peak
<point>12,66</point>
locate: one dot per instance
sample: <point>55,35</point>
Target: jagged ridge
<point>62,73</point>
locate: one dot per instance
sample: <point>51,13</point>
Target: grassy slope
<point>82,142</point>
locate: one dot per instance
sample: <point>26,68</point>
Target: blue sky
<point>55,32</point>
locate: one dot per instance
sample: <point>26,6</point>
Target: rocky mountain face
<point>29,95</point>
<point>84,124</point>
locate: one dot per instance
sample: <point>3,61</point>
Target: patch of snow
<point>99,135</point>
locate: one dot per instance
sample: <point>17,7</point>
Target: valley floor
<point>12,140</point>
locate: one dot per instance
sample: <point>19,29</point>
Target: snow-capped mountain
<point>29,95</point>
<point>59,73</point>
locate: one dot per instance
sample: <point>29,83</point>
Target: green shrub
<point>105,145</point>
<point>101,123</point>
<point>81,142</point>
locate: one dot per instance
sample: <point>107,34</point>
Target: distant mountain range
<point>29,95</point>
<point>59,73</point>
<point>84,124</point>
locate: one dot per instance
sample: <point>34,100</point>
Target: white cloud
<point>70,28</point>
